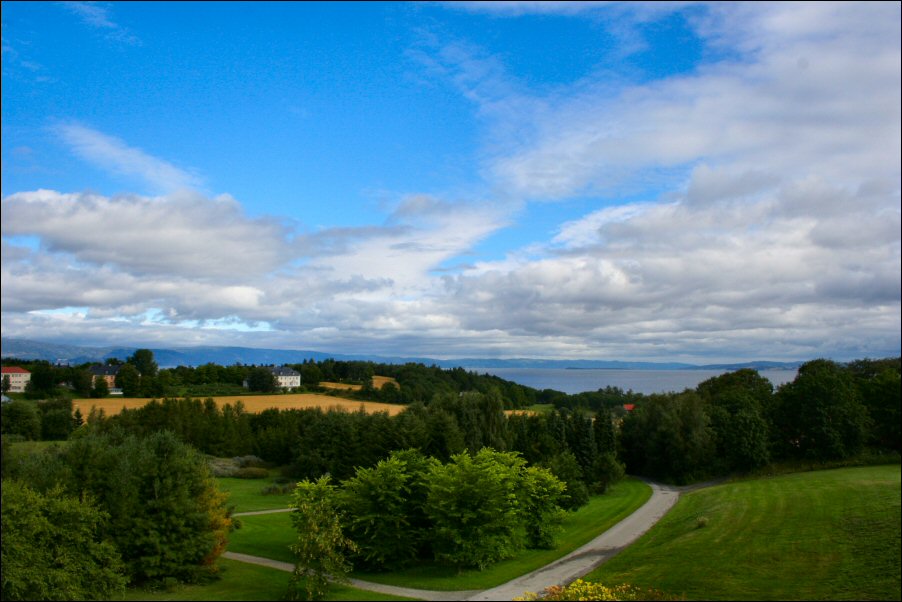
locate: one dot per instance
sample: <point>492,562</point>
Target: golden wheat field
<point>378,381</point>
<point>252,403</point>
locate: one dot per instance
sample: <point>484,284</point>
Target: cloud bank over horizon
<point>745,208</point>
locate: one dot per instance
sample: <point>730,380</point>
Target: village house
<point>286,378</point>
<point>104,371</point>
<point>18,378</point>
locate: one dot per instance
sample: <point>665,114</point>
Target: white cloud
<point>763,221</point>
<point>822,98</point>
<point>97,15</point>
<point>114,155</point>
<point>771,222</point>
<point>182,234</point>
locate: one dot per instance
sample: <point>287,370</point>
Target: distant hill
<point>227,356</point>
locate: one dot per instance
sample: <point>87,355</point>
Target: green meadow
<point>245,494</point>
<point>269,535</point>
<point>823,535</point>
<point>241,581</point>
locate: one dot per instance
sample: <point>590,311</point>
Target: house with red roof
<point>18,378</point>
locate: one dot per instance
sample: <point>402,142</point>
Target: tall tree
<point>381,505</point>
<point>321,547</point>
<point>738,406</point>
<point>820,415</point>
<point>21,417</point>
<point>144,361</point>
<point>262,380</point>
<point>474,508</point>
<point>53,547</point>
<point>167,517</point>
<point>129,380</point>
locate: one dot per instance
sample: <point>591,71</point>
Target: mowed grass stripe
<point>269,535</point>
<point>831,534</point>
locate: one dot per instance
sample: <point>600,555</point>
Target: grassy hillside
<point>832,534</point>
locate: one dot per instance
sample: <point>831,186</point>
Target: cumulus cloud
<point>182,234</point>
<point>763,219</point>
<point>191,261</point>
<point>771,225</point>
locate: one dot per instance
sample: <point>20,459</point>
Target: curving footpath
<point>582,560</point>
<point>560,572</point>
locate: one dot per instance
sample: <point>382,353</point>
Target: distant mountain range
<point>227,356</point>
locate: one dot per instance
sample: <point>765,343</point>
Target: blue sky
<point>692,181</point>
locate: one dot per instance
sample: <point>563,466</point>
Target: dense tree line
<point>312,442</point>
<point>140,376</point>
<point>136,510</point>
<point>736,422</point>
<point>471,511</point>
<point>733,422</point>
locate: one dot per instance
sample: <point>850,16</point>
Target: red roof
<point>14,370</point>
<point>629,407</point>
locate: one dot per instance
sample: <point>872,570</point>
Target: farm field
<point>378,381</point>
<point>830,534</point>
<point>269,536</point>
<point>252,403</point>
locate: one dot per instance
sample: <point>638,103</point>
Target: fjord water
<point>639,381</point>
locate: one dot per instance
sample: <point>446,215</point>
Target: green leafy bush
<point>53,549</point>
<point>167,516</point>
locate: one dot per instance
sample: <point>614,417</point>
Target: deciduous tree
<point>53,548</point>
<point>321,548</point>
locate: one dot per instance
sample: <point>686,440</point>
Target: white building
<point>288,378</point>
<point>18,378</point>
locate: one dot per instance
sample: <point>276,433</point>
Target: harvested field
<point>378,381</point>
<point>340,386</point>
<point>252,403</point>
<point>521,412</point>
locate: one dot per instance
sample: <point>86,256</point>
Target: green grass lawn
<point>269,535</point>
<point>241,581</point>
<point>245,494</point>
<point>831,534</point>
<point>266,535</point>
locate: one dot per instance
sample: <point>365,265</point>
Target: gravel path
<point>407,592</point>
<point>276,511</point>
<point>583,560</point>
<point>560,572</point>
